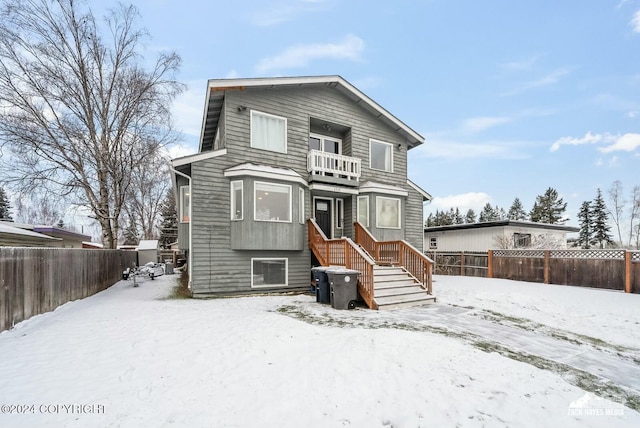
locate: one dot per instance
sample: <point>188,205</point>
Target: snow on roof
<point>150,244</point>
<point>11,230</point>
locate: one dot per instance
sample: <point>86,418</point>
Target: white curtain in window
<point>267,132</point>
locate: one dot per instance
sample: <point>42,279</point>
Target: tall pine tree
<point>548,208</point>
<point>489,213</point>
<point>586,228</point>
<point>470,216</point>
<point>601,230</point>
<point>516,212</point>
<point>5,206</point>
<point>169,224</point>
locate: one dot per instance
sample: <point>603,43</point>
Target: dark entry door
<point>322,211</point>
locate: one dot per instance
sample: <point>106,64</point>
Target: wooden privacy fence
<point>465,263</point>
<point>611,269</point>
<point>38,280</point>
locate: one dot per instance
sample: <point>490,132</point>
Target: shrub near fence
<point>38,280</point>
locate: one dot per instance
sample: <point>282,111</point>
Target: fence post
<point>490,263</point>
<point>462,263</point>
<point>546,266</point>
<point>627,271</point>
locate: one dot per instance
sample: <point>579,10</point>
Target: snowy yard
<point>489,353</point>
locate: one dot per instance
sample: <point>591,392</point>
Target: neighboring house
<point>11,236</point>
<point>148,251</point>
<point>62,238</point>
<point>492,235</point>
<point>277,152</point>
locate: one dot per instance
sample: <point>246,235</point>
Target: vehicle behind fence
<point>38,280</point>
<point>610,269</point>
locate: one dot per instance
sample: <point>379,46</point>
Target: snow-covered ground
<point>489,353</point>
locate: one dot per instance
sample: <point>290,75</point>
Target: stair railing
<point>399,253</point>
<point>343,252</point>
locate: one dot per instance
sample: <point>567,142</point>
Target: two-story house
<point>299,171</point>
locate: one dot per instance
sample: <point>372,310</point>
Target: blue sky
<point>512,97</point>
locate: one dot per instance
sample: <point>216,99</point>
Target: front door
<point>322,213</point>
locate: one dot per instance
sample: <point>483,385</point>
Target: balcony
<point>333,168</point>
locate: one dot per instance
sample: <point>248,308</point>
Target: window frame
<point>433,242</point>
<point>379,199</point>
<point>272,116</point>
<point>390,145</point>
<point>233,201</point>
<point>255,201</point>
<point>358,210</point>
<point>286,272</point>
<point>339,209</point>
<point>301,205</point>
<point>519,237</point>
<point>324,138</point>
<point>183,190</point>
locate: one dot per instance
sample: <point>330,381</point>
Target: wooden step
<point>404,282</point>
<point>392,277</point>
<point>399,291</point>
<point>404,301</point>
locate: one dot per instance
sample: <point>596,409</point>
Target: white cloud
<point>278,13</point>
<point>180,150</point>
<point>627,142</point>
<point>464,201</point>
<point>589,138</point>
<point>524,64</point>
<point>547,80</point>
<point>350,48</point>
<point>478,124</point>
<point>635,22</point>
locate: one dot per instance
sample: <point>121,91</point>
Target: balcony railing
<point>331,164</point>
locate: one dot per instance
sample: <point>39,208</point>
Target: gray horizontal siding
<point>414,218</point>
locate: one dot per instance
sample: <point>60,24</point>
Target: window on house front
<point>380,155</point>
<point>236,200</point>
<point>388,213</point>
<point>521,240</point>
<point>301,205</point>
<point>269,272</point>
<point>272,202</point>
<point>363,210</point>
<point>185,204</point>
<point>325,144</point>
<point>433,243</point>
<point>339,213</point>
<point>268,132</point>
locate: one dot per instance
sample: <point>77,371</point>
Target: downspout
<point>190,259</point>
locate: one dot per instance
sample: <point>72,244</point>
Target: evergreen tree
<point>5,206</point>
<point>457,218</point>
<point>548,208</point>
<point>470,217</point>
<point>601,230</point>
<point>489,213</point>
<point>516,212</point>
<point>502,214</point>
<point>169,224</point>
<point>586,228</point>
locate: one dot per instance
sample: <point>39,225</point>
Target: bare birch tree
<point>634,215</point>
<point>616,206</point>
<point>79,110</point>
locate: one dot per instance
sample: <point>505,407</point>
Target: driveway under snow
<point>489,353</point>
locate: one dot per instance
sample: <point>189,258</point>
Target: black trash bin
<point>322,284</point>
<point>344,288</point>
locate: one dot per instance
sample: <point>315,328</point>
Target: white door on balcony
<point>323,213</point>
<point>325,144</point>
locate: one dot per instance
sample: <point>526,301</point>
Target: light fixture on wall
<point>399,146</point>
<point>326,127</point>
<point>242,108</point>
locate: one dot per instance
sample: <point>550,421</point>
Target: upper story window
<point>268,132</point>
<point>272,202</point>
<point>185,204</point>
<point>325,144</point>
<point>380,155</point>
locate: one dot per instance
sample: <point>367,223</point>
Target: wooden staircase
<point>394,274</point>
<point>394,287</point>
